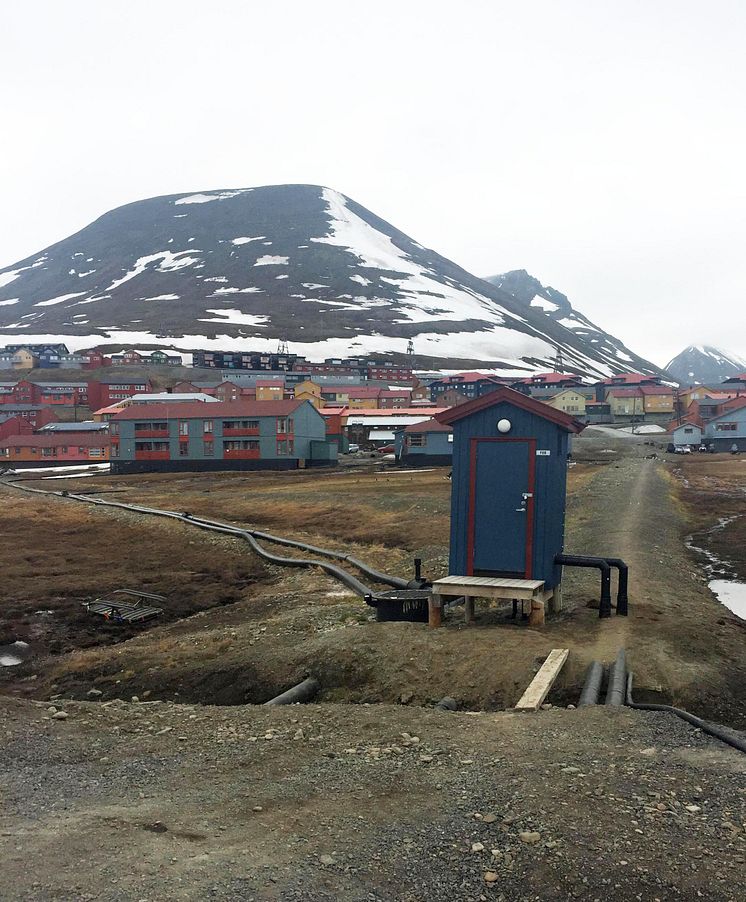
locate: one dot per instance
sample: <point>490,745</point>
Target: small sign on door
<point>541,453</point>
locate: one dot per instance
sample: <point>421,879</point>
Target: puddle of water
<point>731,594</point>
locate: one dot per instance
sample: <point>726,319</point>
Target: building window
<point>114,451</point>
<point>416,440</point>
<point>240,424</point>
<point>284,425</point>
<point>726,427</point>
<point>183,427</point>
<point>208,448</point>
<point>183,449</point>
<point>96,452</point>
<point>285,447</point>
<point>207,426</point>
<point>114,428</point>
<point>241,445</point>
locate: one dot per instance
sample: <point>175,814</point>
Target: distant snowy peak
<point>529,292</point>
<point>244,268</point>
<point>704,365</point>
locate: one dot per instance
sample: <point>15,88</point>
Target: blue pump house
<point>508,486</point>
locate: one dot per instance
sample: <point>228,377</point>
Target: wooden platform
<point>471,587</point>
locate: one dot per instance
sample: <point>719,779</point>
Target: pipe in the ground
<point>447,704</point>
<point>598,563</point>
<point>303,692</point>
<point>617,680</point>
<point>592,686</point>
<point>712,729</point>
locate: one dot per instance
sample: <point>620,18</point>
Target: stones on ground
<point>489,818</point>
<point>477,847</point>
<point>257,808</point>
<point>649,752</point>
<point>529,837</point>
<point>570,770</point>
<point>94,693</point>
<point>326,860</point>
<point>60,715</point>
<point>693,809</point>
<point>491,877</point>
<point>135,699</point>
<point>406,697</point>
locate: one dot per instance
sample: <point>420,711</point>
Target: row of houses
<point>93,393</point>
<point>633,397</point>
<point>59,357</point>
<point>366,368</point>
<point>714,419</point>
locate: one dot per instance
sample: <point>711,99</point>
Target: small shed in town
<point>508,486</point>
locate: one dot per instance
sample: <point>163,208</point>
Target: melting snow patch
<point>251,290</point>
<point>7,277</point>
<point>282,277</point>
<point>216,279</point>
<point>361,280</point>
<point>58,300</point>
<point>270,260</point>
<point>245,240</point>
<point>83,274</point>
<point>206,198</point>
<point>547,306</point>
<point>313,285</point>
<point>236,316</point>
<point>162,297</point>
<point>9,302</point>
<point>169,262</point>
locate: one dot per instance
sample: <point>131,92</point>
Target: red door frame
<point>531,442</point>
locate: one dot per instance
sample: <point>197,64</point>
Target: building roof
<point>125,379</point>
<point>629,379</point>
<point>739,377</point>
<point>517,399</point>
<point>270,383</point>
<point>86,426</point>
<point>461,378</point>
<point>363,392</point>
<point>421,412</point>
<point>164,397</point>
<point>428,426</point>
<point>55,440</point>
<point>674,425</point>
<point>656,390</point>
<point>551,378</point>
<point>197,409</point>
<point>59,385</point>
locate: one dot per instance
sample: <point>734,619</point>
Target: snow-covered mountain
<point>534,296</point>
<point>244,268</point>
<point>704,365</point>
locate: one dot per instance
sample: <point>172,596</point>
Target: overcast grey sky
<point>600,144</point>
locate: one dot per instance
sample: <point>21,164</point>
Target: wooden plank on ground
<point>539,687</point>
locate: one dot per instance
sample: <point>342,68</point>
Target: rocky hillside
<point>704,365</point>
<point>245,268</point>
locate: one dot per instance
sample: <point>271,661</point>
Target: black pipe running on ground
<point>598,563</point>
<point>617,680</point>
<point>711,729</point>
<point>592,686</point>
<point>249,536</point>
<point>303,692</point>
<point>447,704</point>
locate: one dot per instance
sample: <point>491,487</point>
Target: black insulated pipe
<point>598,563</point>
<point>447,704</point>
<point>592,686</point>
<point>712,729</point>
<point>303,692</point>
<point>615,691</point>
<point>622,599</point>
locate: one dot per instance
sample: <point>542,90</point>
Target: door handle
<point>525,496</point>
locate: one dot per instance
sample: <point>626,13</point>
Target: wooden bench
<point>471,587</point>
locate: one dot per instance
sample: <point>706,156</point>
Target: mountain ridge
<point>248,267</point>
<point>704,364</point>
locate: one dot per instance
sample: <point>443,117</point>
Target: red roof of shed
<point>517,399</point>
<point>428,426</point>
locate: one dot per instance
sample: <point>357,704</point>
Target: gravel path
<point>150,801</point>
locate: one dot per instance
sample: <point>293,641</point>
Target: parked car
<point>387,449</point>
<point>352,448</point>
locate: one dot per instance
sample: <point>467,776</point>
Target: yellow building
<point>569,401</point>
<point>24,360</point>
<point>270,390</point>
<point>310,391</point>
